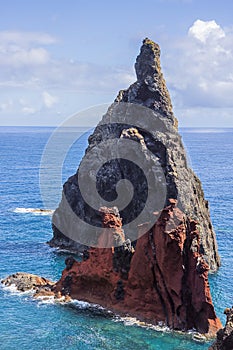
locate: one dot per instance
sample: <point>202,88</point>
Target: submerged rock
<point>224,339</point>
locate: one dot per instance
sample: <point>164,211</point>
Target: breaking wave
<point>35,211</point>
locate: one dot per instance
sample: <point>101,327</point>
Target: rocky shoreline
<point>44,294</point>
<point>155,287</point>
<point>45,289</point>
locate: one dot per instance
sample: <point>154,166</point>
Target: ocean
<point>29,324</point>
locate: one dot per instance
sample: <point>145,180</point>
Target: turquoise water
<point>29,324</point>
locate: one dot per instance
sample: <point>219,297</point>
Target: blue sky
<point>59,57</point>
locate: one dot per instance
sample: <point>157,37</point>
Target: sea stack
<point>151,96</point>
<point>160,277</point>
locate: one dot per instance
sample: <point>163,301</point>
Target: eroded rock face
<point>224,339</point>
<point>163,280</point>
<point>143,114</point>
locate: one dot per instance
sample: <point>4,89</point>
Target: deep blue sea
<point>34,325</point>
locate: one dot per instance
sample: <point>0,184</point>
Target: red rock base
<point>164,280</point>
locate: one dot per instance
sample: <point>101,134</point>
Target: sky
<point>61,57</point>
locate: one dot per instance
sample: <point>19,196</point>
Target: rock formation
<point>150,257</point>
<point>224,339</point>
<point>142,113</point>
<point>164,280</point>
<point>24,282</point>
<point>40,287</point>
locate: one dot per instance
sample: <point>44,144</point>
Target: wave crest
<point>35,211</point>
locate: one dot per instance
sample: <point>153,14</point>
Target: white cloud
<point>198,70</point>
<point>18,57</point>
<point>200,67</point>
<point>26,61</point>
<point>125,78</point>
<point>48,99</point>
<point>24,49</point>
<point>6,105</point>
<point>204,30</point>
<point>22,101</point>
<point>28,110</point>
<point>25,38</point>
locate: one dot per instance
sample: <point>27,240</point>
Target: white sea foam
<point>79,304</point>
<point>65,251</point>
<point>132,321</point>
<point>35,211</point>
<point>199,338</point>
<point>45,300</point>
<point>127,320</point>
<point>12,289</point>
<point>90,306</point>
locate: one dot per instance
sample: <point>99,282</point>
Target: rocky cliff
<point>224,339</point>
<point>157,169</point>
<point>164,280</point>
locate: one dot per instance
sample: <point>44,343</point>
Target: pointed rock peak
<point>150,89</point>
<point>148,61</point>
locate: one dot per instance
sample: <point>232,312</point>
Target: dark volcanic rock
<point>150,88</point>
<point>224,339</point>
<point>142,113</point>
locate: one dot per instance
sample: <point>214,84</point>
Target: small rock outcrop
<point>143,114</point>
<point>25,282</point>
<point>40,287</point>
<point>224,339</point>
